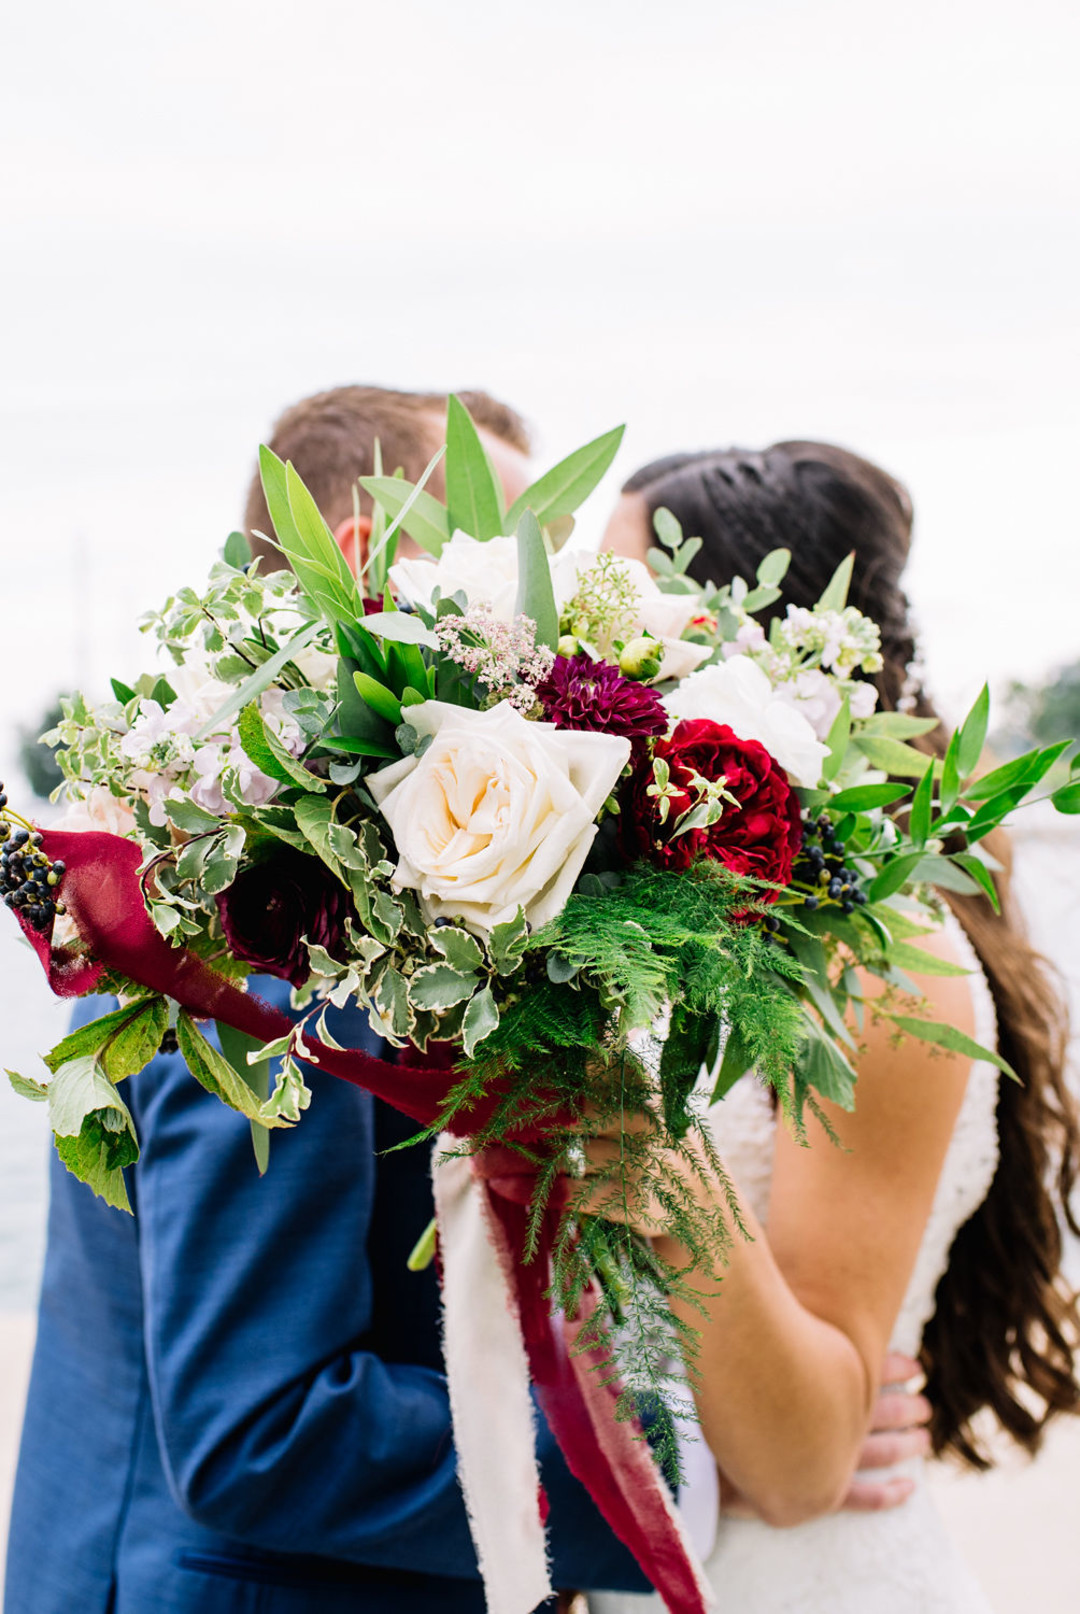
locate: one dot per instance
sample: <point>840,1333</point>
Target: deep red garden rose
<point>759,834</point>
<point>271,906</point>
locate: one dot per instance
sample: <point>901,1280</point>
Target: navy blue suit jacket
<point>237,1400</point>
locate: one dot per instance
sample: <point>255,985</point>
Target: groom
<point>238,1399</point>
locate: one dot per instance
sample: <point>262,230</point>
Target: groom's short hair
<point>330,439</point>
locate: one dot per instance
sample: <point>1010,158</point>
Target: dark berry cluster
<point>28,880</point>
<point>821,865</point>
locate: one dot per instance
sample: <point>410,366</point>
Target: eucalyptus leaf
<point>422,517</point>
<point>667,528</point>
<point>891,756</point>
<point>824,1067</point>
<point>894,874</point>
<point>383,702</point>
<point>948,1037</point>
<point>973,734</point>
<point>836,591</point>
<point>773,568</point>
<point>473,493</point>
<point>237,551</point>
<point>402,627</point>
<point>536,595</point>
<point>560,491</point>
<point>921,807</point>
<point>863,798</point>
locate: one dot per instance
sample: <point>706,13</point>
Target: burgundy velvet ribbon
<point>103,895</point>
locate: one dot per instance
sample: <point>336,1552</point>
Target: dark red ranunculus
<point>272,905</point>
<point>760,836</point>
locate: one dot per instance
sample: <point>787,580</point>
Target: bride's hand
<point>897,1433</point>
<point>614,1184</point>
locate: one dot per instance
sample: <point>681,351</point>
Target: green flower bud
<point>567,645</point>
<point>641,658</point>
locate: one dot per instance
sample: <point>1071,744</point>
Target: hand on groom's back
<point>897,1434</point>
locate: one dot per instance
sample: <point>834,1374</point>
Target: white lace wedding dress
<point>896,1562</point>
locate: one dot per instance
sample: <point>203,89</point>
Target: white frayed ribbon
<point>488,1376</point>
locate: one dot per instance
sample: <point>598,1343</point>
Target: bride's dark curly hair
<point>1005,1324</point>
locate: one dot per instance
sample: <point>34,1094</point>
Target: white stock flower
<point>815,695</point>
<point>862,698</point>
<point>738,693</point>
<point>499,813</point>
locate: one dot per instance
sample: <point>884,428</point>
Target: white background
<point>719,220</point>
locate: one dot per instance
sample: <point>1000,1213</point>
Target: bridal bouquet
<point>572,832</point>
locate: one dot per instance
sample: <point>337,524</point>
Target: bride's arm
<point>793,1344</point>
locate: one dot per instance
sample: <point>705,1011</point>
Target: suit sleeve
<point>283,1417</point>
<point>278,1424</point>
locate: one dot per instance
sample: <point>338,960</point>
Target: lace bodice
<point>744,1125</point>
<point>896,1562</point>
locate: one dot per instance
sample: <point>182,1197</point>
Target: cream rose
<point>739,693</point>
<point>498,814</point>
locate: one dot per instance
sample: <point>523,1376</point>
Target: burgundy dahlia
<point>271,906</point>
<point>759,834</point>
<point>580,693</point>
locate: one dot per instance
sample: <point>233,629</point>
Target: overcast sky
<point>718,221</point>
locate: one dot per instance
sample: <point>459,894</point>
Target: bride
<point>933,1228</point>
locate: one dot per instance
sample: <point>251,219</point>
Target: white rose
<point>317,666</point>
<point>738,693</point>
<point>499,813</point>
<point>680,658</point>
<point>486,573</point>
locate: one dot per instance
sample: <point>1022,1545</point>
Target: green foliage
<point>560,491</point>
<point>92,1126</point>
<point>424,519</point>
<point>627,950</point>
<point>307,542</point>
<point>473,492</point>
<point>536,595</point>
<point>213,1071</point>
